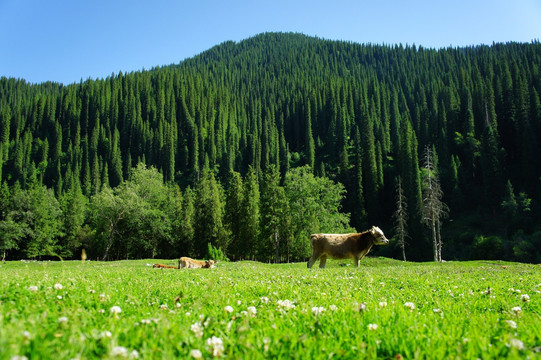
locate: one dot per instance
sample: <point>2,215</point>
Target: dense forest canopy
<point>247,143</point>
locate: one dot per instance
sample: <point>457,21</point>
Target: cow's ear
<point>373,230</point>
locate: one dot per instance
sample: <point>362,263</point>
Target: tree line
<point>357,115</point>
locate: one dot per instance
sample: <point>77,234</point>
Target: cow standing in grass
<point>344,246</point>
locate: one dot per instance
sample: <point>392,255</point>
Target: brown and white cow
<point>344,246</point>
<point>186,262</point>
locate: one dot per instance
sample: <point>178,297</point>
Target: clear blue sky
<point>66,40</point>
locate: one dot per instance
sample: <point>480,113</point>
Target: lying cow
<point>344,246</point>
<point>186,262</point>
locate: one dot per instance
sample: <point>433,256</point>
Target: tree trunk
<point>109,242</point>
<point>277,245</point>
<point>434,240</point>
<point>403,248</point>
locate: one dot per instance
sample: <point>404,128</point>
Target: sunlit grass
<point>127,309</point>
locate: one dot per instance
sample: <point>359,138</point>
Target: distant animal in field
<point>186,262</point>
<point>344,246</point>
<point>161,266</point>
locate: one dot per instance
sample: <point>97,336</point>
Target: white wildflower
<point>383,304</point>
<point>318,310</point>
<point>59,297</point>
<point>228,309</point>
<point>115,310</point>
<point>264,299</point>
<point>333,307</point>
<point>362,307</point>
<point>410,305</point>
<point>285,304</point>
<point>196,354</point>
<point>372,327</point>
<point>91,291</point>
<point>525,298</point>
<point>511,324</point>
<point>26,335</point>
<point>437,311</point>
<point>252,310</point>
<point>197,328</point>
<point>134,354</point>
<point>217,345</point>
<point>58,286</point>
<point>106,334</point>
<point>517,344</point>
<point>517,310</point>
<point>19,357</point>
<point>119,351</point>
<point>163,306</point>
<point>33,288</point>
<point>101,311</point>
<point>63,319</point>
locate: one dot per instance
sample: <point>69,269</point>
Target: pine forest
<point>244,150</point>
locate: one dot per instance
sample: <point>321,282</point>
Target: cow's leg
<point>356,260</point>
<point>315,255</point>
<point>312,260</point>
<point>322,261</point>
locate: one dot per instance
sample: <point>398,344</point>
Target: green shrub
<point>487,248</point>
<point>215,253</point>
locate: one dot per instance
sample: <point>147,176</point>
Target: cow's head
<point>210,263</point>
<point>379,237</point>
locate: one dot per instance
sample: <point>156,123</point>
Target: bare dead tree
<point>400,217</point>
<point>434,209</point>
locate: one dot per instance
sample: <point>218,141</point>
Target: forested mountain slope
<point>360,115</point>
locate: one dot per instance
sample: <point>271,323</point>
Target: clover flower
<point>511,324</point>
<point>58,286</point>
<point>115,310</point>
<point>216,344</point>
<point>382,304</point>
<point>410,305</point>
<point>517,344</point>
<point>119,351</point>
<point>318,310</point>
<point>63,319</point>
<point>362,307</point>
<point>517,310</point>
<point>197,328</point>
<point>33,288</point>
<point>252,310</point>
<point>525,298</point>
<point>228,309</point>
<point>264,299</point>
<point>196,354</point>
<point>372,327</point>
<point>285,304</point>
<point>333,307</point>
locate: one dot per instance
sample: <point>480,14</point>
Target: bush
<point>215,254</point>
<point>487,248</point>
<point>526,247</point>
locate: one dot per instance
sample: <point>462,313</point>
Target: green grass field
<point>384,309</point>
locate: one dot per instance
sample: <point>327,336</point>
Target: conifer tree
<point>434,209</point>
<point>400,217</point>
<point>250,215</point>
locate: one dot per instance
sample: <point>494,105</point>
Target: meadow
<point>384,309</point>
